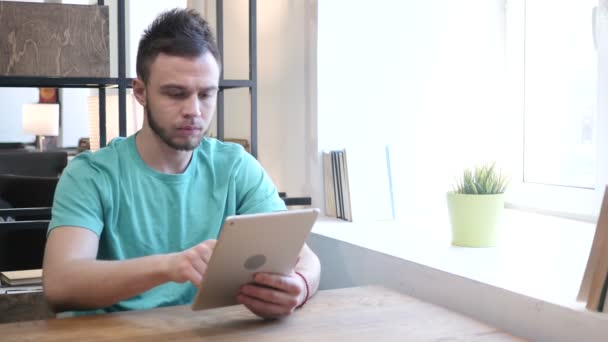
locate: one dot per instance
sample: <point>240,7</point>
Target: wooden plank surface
<point>43,39</point>
<point>353,314</point>
<point>597,266</point>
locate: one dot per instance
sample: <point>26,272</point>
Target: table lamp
<point>41,119</point>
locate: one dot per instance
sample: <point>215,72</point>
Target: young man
<point>134,224</point>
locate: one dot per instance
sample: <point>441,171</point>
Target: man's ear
<point>139,91</point>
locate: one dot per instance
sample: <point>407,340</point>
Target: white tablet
<point>248,244</point>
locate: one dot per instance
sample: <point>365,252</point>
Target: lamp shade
<point>40,118</point>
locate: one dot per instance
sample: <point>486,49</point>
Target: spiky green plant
<point>482,180</point>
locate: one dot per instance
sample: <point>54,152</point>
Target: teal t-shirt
<point>137,211</point>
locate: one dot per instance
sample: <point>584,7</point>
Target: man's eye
<point>176,94</point>
<point>204,96</point>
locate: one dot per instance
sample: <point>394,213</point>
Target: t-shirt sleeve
<point>77,200</point>
<point>256,192</point>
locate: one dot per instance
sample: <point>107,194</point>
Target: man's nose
<point>192,106</point>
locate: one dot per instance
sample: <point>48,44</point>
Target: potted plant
<point>476,205</point>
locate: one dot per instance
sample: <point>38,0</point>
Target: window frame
<point>573,202</point>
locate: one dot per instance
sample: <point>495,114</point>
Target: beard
<point>164,135</point>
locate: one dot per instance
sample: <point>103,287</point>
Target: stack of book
<point>595,280</point>
<point>21,278</point>
<point>337,191</point>
<point>358,184</point>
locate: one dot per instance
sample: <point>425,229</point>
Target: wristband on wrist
<point>307,289</point>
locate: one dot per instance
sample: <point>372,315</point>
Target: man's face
<point>179,98</point>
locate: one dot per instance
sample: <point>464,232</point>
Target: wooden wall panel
<point>44,39</point>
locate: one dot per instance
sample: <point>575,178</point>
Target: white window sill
<point>539,256</point>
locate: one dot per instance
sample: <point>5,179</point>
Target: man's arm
<point>276,296</point>
<point>74,279</point>
<point>310,268</point>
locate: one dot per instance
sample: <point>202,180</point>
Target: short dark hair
<point>177,32</point>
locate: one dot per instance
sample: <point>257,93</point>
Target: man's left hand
<point>273,295</point>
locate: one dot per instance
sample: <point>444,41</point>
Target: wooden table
<point>352,314</point>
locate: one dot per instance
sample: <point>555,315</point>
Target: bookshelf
<point>101,83</point>
<point>251,83</point>
<point>122,83</point>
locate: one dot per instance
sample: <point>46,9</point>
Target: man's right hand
<point>191,264</point>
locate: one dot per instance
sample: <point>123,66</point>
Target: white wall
<point>423,76</point>
<point>74,116</point>
<point>139,16</point>
<point>284,82</point>
<point>284,79</point>
<point>10,120</point>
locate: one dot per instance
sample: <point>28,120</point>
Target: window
<point>552,48</point>
<point>560,92</point>
<point>448,85</point>
<point>425,78</point>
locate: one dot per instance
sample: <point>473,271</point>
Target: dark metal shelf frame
<point>251,83</point>
<point>59,82</point>
<point>122,82</point>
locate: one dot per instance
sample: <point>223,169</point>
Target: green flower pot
<point>475,219</point>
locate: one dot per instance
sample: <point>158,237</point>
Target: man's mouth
<point>189,129</point>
